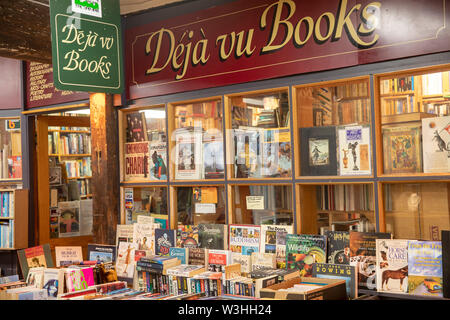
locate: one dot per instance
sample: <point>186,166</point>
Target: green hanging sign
<point>86,45</point>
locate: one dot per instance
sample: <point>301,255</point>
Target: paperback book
<point>125,263</point>
<point>79,278</point>
<point>38,256</point>
<point>338,247</point>
<point>197,256</point>
<point>273,240</point>
<point>244,239</point>
<point>144,236</point>
<point>102,253</point>
<point>213,236</point>
<point>53,282</point>
<point>68,255</point>
<point>218,259</point>
<point>179,253</point>
<point>137,161</point>
<point>164,240</point>
<point>392,265</point>
<point>187,236</point>
<point>303,250</point>
<point>158,161</point>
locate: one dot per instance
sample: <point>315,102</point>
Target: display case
<point>259,135</point>
<point>333,128</point>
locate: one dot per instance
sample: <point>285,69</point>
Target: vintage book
<point>244,260</point>
<point>39,256</point>
<point>164,240</point>
<point>68,255</point>
<point>136,127</point>
<point>188,150</point>
<point>425,268</point>
<point>262,260</point>
<point>53,282</point>
<point>213,236</point>
<point>244,239</point>
<point>338,247</point>
<point>184,270</point>
<point>102,253</point>
<point>137,161</point>
<point>392,265</point>
<point>79,278</point>
<point>144,236</point>
<point>402,149</point>
<point>69,218</point>
<point>303,250</point>
<point>218,259</point>
<point>158,161</point>
<point>318,151</point>
<point>35,277</point>
<point>124,233</point>
<point>197,256</point>
<point>273,240</point>
<point>436,144</point>
<point>187,236</point>
<point>213,159</point>
<point>179,253</point>
<point>354,150</point>
<point>363,256</point>
<point>247,153</point>
<point>340,272</point>
<point>125,263</point>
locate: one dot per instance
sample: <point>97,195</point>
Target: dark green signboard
<point>86,45</point>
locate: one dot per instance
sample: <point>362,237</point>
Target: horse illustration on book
<point>399,274</point>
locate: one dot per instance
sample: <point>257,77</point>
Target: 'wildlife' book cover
<point>303,250</point>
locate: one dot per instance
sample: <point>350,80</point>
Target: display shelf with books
<point>13,219</point>
<point>258,135</point>
<point>336,207</point>
<point>10,150</point>
<point>333,129</point>
<point>196,140</point>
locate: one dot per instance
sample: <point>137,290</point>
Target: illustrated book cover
<point>164,240</point>
<point>402,149</point>
<point>188,150</point>
<point>303,250</point>
<point>79,278</point>
<point>244,239</point>
<point>68,255</point>
<point>340,272</point>
<point>102,253</point>
<point>392,265</point>
<point>136,127</point>
<point>179,253</point>
<point>38,256</point>
<point>363,256</point>
<point>273,240</point>
<point>144,236</point>
<point>218,259</point>
<point>125,262</point>
<point>354,150</point>
<point>436,144</point>
<point>318,151</point>
<point>158,161</point>
<point>137,161</point>
<point>187,236</point>
<point>425,268</point>
<point>53,282</point>
<point>338,247</point>
<point>213,236</point>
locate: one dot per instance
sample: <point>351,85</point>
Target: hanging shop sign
<point>86,45</point>
<point>249,40</point>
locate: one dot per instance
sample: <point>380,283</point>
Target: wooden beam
<point>105,167</point>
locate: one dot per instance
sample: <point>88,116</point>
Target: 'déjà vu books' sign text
<point>249,40</point>
<point>86,45</point>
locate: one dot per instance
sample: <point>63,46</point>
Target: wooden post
<point>105,167</point>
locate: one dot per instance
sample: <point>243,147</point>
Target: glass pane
<point>416,123</point>
<point>11,150</point>
<point>145,150</point>
<point>337,207</point>
<point>146,201</point>
<point>417,211</point>
<point>198,140</point>
<point>261,138</point>
<point>205,204</point>
<point>335,135</point>
<point>255,204</point>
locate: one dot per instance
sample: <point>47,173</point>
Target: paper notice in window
<point>255,202</point>
<point>205,208</point>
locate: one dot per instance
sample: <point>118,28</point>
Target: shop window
<point>10,150</point>
<point>146,201</point>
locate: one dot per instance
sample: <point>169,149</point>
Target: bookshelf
<point>14,219</point>
<point>10,149</point>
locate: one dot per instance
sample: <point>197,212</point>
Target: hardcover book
<point>340,272</point>
<point>436,144</point>
<point>218,259</point>
<point>102,253</point>
<point>158,161</point>
<point>164,240</point>
<point>303,250</point>
<point>402,149</point>
<point>354,150</point>
<point>318,151</point>
<point>261,260</point>
<point>244,239</point>
<point>338,247</point>
<point>273,240</point>
<point>188,150</point>
<point>137,161</point>
<point>363,256</point>
<point>197,256</point>
<point>392,265</point>
<point>425,268</point>
<point>213,236</point>
<point>39,256</point>
<point>68,255</point>
<point>187,236</point>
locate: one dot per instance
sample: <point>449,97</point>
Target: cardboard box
<point>330,289</point>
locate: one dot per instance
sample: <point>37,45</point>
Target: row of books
<point>353,197</point>
<point>396,85</point>
<point>7,234</point>
<point>7,204</point>
<point>352,90</point>
<point>84,186</point>
<point>78,168</point>
<point>69,143</point>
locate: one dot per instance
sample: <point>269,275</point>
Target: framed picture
<point>318,151</point>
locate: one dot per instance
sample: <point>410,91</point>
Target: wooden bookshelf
<point>19,217</point>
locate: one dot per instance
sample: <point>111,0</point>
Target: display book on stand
<point>245,262</point>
